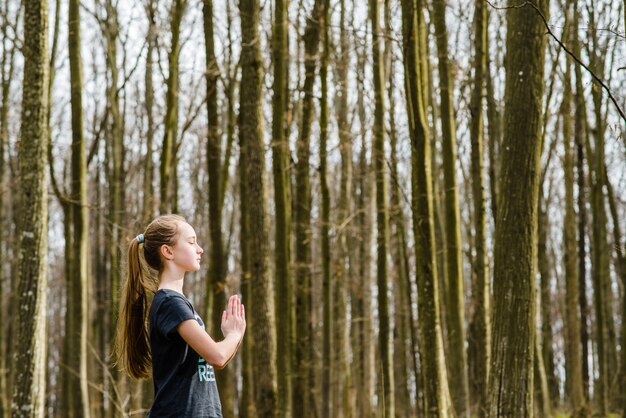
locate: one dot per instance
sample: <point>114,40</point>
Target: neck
<point>172,280</point>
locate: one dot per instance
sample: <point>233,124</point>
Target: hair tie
<point>140,238</point>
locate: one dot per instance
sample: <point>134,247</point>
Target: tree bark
<point>280,157</point>
<point>455,310</point>
<point>303,358</point>
<point>480,266</point>
<point>342,263</point>
<point>515,251</point>
<point>328,323</point>
<point>382,220</point>
<point>361,302</point>
<point>437,396</point>
<point>599,244</point>
<point>263,330</point>
<point>148,189</point>
<point>6,71</point>
<point>116,177</point>
<point>574,360</point>
<point>168,177</point>
<point>77,282</point>
<point>30,342</point>
<point>215,295</point>
<point>580,133</point>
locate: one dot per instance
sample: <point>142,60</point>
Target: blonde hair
<point>132,341</point>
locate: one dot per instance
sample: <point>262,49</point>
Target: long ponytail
<point>132,342</point>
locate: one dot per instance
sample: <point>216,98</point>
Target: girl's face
<point>186,251</point>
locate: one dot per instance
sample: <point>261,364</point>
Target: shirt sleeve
<point>171,313</point>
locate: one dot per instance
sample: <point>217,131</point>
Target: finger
<point>223,316</point>
<point>230,305</point>
<point>242,311</point>
<point>233,305</point>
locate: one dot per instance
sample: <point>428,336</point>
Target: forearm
<point>227,348</point>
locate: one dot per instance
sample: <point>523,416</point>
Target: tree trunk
<point>574,360</point>
<point>168,176</point>
<point>599,245</point>
<point>327,326</point>
<point>399,250</point>
<point>148,189</point>
<point>493,129</point>
<point>116,177</point>
<point>6,71</point>
<point>541,388</point>
<point>215,295</point>
<point>30,342</point>
<point>342,263</point>
<point>361,301</point>
<point>437,397</point>
<point>303,358</point>
<point>455,310</point>
<point>515,250</point>
<point>77,281</point>
<point>480,265</point>
<point>280,156</point>
<point>261,311</point>
<point>247,408</point>
<point>378,157</point>
<point>546,300</point>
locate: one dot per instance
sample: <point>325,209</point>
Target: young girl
<point>173,342</point>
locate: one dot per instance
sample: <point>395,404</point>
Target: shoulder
<point>170,308</point>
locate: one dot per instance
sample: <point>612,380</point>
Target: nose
<point>200,250</point>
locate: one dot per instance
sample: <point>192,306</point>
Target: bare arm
<point>217,354</point>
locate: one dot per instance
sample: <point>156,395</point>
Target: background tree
<point>511,382</point>
<point>30,342</point>
<point>480,264</point>
<point>76,390</point>
<point>263,333</point>
<point>437,396</point>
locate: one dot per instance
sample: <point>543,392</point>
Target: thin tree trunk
<point>399,250</point>
<point>116,175</point>
<point>303,360</point>
<point>261,311</point>
<point>361,327</point>
<point>546,302</point>
<point>148,189</point>
<point>6,70</point>
<point>493,130</point>
<point>248,406</point>
<point>480,266</point>
<point>30,343</point>
<point>342,262</point>
<point>455,310</point>
<point>215,295</point>
<point>77,282</point>
<point>327,326</point>
<point>574,361</point>
<point>580,132</point>
<point>382,220</point>
<point>168,176</point>
<point>600,267</point>
<point>515,250</point>
<point>541,387</point>
<point>280,155</point>
<point>437,396</point>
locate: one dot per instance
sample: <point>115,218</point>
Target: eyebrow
<point>192,237</point>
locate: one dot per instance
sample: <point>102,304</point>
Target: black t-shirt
<point>184,383</point>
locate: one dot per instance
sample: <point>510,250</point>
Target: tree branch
<point>562,45</point>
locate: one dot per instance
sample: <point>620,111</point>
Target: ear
<point>166,252</point>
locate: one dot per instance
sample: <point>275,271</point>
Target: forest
<point>421,203</point>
